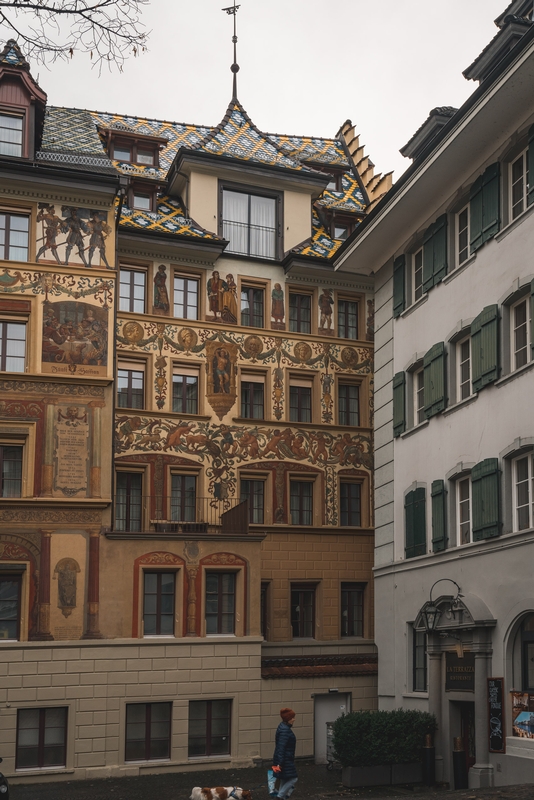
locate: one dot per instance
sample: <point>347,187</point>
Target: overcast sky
<point>306,66</point>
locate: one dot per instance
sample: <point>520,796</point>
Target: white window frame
<point>417,268</point>
<point>529,456</point>
<point>513,352</point>
<point>417,409</point>
<point>459,364</point>
<point>466,480</point>
<point>523,201</point>
<point>462,253</point>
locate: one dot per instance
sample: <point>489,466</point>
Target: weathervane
<point>235,66</point>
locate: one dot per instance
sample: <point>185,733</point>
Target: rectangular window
<point>348,404</point>
<point>185,390</point>
<point>132,290</point>
<point>463,503</point>
<point>300,401</point>
<point>264,605</point>
<point>519,181</point>
<point>254,492</point>
<point>463,235</point>
<point>419,396</point>
<point>417,273</point>
<point>419,661</point>
<point>249,224</point>
<point>303,612</point>
<point>251,307</point>
<point>350,503</point>
<point>129,501</point>
<point>352,609</point>
<point>183,498</point>
<point>10,599</point>
<point>11,470</point>
<point>185,297</point>
<point>523,470</point>
<point>158,604</point>
<point>130,387</point>
<point>252,399</point>
<point>41,738</point>
<point>463,353</point>
<point>347,319</point>
<point>12,346</point>
<point>209,727</point>
<point>220,602</point>
<point>145,157</point>
<point>299,313</point>
<point>121,152</point>
<point>14,237</point>
<point>520,333</point>
<point>301,502</point>
<point>11,135</point>
<point>148,731</point>
<point>341,232</point>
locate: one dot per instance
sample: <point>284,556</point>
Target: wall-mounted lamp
<point>431,613</point>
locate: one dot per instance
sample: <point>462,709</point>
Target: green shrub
<point>371,738</point>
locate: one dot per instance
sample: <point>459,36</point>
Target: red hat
<point>287,714</point>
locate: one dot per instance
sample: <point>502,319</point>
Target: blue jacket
<point>284,751</point>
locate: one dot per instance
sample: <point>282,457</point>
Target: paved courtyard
<point>315,783</point>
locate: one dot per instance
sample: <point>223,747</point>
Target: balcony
<point>250,240</point>
<point>160,514</point>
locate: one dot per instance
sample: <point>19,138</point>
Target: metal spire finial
<point>235,66</point>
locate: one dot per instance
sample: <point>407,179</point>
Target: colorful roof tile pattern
<point>168,218</point>
<point>71,139</point>
<point>320,244</point>
<point>12,55</point>
<point>308,148</point>
<point>237,136</point>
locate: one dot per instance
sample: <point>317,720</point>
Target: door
<point>327,708</point>
<point>468,732</point>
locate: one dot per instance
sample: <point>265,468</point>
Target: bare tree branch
<point>109,30</point>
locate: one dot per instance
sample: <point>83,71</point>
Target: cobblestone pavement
<point>315,783</point>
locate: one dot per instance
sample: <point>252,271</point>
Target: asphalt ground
<point>315,783</point>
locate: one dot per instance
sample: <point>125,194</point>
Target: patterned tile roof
<point>308,148</point>
<point>320,244</point>
<point>12,55</point>
<point>169,218</point>
<point>70,138</point>
<point>237,136</point>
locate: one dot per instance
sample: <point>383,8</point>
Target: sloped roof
<point>311,148</point>
<point>12,55</point>
<point>170,217</point>
<point>70,138</point>
<point>320,244</point>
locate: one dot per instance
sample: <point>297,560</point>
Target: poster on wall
<point>523,715</point>
<point>72,235</point>
<point>497,741</point>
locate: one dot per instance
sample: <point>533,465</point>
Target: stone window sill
<point>415,428</point>
<point>465,402</point>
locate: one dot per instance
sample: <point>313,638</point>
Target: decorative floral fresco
<point>72,235</point>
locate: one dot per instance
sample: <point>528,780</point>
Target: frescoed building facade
<point>186,535</point>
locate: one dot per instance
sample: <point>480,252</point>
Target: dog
<point>220,793</point>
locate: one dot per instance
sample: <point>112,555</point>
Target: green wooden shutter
<point>428,258</point>
<point>485,347</point>
<point>475,215</point>
<point>434,380</point>
<point>486,499</point>
<point>415,523</point>
<point>439,529</point>
<point>399,285</point>
<point>530,166</point>
<point>484,207</point>
<point>491,202</point>
<point>399,403</point>
<point>532,315</point>
<point>440,248</point>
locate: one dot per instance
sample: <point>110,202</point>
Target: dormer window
<point>11,134</point>
<point>126,144</point>
<point>135,153</point>
<point>249,222</point>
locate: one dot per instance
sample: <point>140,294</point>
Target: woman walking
<point>284,754</point>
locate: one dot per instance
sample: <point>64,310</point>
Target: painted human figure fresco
<point>325,308</point>
<point>229,301</point>
<point>75,228</point>
<point>52,226</point>
<point>216,289</point>
<point>277,308</point>
<point>99,230</point>
<point>161,296</point>
<point>75,334</point>
<point>221,370</point>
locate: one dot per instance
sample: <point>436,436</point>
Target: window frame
<point>248,387</point>
<point>130,367</point>
<point>526,300</point>
<point>344,334</point>
<point>5,321</point>
<point>341,386</point>
<point>303,625</point>
<point>249,289</point>
<point>463,479</point>
<point>5,249</point>
<point>187,278</point>
<point>251,506</point>
<point>349,588</point>
<point>300,325</point>
<point>3,479</point>
<point>17,577</point>
<point>131,299</point>
<point>220,574</point>
<point>131,472</point>
<point>279,216</point>
<point>159,593</point>
<point>524,178</point>
<point>416,269</point>
<point>528,455</point>
<point>185,494</point>
<point>418,395</point>
<point>20,114</point>
<point>148,739</point>
<point>143,190</point>
<point>296,386</point>
<point>134,146</point>
<point>462,251</point>
<point>302,512</point>
<point>417,646</point>
<point>459,363</point>
<point>180,370</point>
<point>359,503</point>
<point>208,730</point>
<point>41,736</point>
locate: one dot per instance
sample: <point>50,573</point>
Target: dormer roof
<point>435,121</point>
<point>512,29</point>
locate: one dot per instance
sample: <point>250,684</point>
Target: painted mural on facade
<point>72,235</point>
